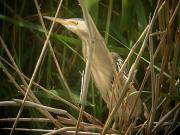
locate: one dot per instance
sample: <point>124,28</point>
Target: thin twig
<point>90,27</point>
<point>61,130</point>
<point>108,20</point>
<point>36,69</point>
<point>52,52</point>
<point>29,130</point>
<point>174,64</point>
<point>25,119</point>
<point>153,81</point>
<point>90,118</point>
<point>108,121</point>
<point>165,117</point>
<point>50,109</point>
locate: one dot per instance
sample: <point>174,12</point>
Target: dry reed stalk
<point>35,71</point>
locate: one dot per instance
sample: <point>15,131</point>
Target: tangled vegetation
<point>46,61</point>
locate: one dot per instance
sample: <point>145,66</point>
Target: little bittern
<point>105,68</point>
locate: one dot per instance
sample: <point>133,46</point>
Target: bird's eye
<point>74,23</point>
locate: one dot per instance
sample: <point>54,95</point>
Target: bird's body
<point>105,72</point>
<point>102,76</point>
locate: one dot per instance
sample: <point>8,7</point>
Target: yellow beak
<point>65,22</point>
<point>58,20</point>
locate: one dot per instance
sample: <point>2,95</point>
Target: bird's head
<point>76,25</point>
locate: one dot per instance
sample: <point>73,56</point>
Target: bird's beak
<point>57,20</point>
<point>65,22</point>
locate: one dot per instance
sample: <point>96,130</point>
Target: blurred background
<point>119,22</point>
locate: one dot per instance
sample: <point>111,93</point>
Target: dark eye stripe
<point>73,22</point>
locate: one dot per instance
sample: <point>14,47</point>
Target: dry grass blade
<point>35,70</point>
<point>175,121</point>
<point>153,85</point>
<point>165,117</point>
<point>173,73</point>
<point>166,54</point>
<point>73,129</point>
<point>45,131</point>
<point>52,52</point>
<point>108,121</point>
<point>52,102</point>
<point>29,130</point>
<point>50,109</point>
<point>31,97</point>
<point>133,50</point>
<point>86,78</point>
<point>21,88</point>
<point>25,119</point>
<point>108,21</point>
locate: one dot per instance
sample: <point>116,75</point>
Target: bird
<point>105,68</point>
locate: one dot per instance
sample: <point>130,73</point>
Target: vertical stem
<point>35,70</point>
<point>108,20</point>
<point>124,90</point>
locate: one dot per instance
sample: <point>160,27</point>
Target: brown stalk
<point>108,121</point>
<point>35,71</point>
<point>87,115</point>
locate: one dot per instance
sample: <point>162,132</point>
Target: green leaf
<point>140,13</point>
<point>93,7</point>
